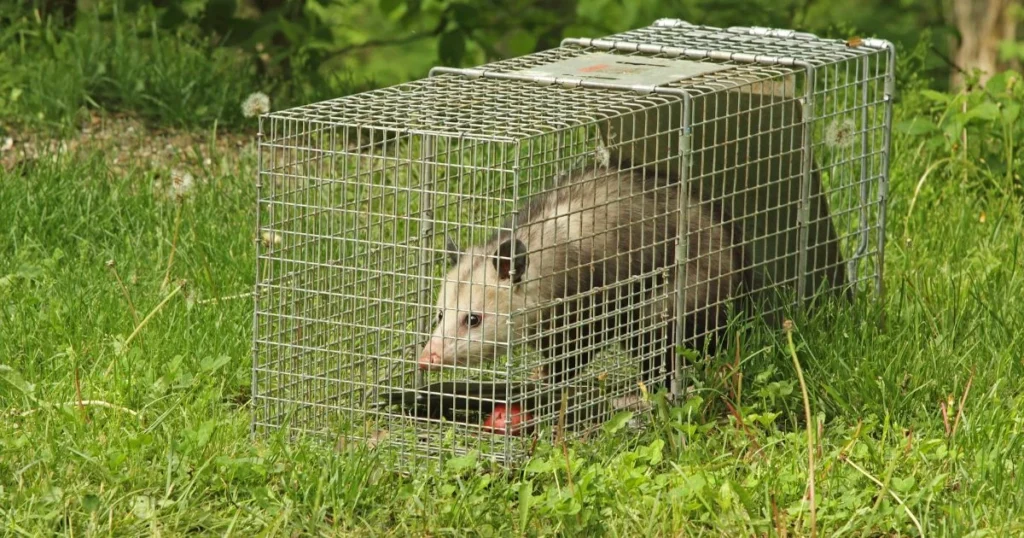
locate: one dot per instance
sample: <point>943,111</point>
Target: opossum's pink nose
<point>431,355</point>
<point>429,360</point>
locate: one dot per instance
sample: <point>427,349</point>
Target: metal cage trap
<point>488,255</point>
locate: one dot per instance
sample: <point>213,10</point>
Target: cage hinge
<point>772,32</point>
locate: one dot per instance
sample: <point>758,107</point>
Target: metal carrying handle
<point>751,30</point>
<point>869,42</point>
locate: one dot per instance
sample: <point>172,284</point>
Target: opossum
<point>581,254</point>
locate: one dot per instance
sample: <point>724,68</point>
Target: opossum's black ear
<point>504,263</point>
<point>452,250</point>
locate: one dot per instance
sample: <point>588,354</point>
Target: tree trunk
<point>983,25</point>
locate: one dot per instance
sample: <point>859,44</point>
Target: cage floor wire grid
<point>488,255</point>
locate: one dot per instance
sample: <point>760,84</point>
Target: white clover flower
<point>257,103</point>
<point>840,133</point>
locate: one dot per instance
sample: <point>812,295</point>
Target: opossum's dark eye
<point>440,315</point>
<point>472,320</point>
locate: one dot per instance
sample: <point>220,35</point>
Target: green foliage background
<point>370,34</point>
<point>299,51</point>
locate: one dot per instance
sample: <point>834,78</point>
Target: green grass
<point>172,81</point>
<point>111,61</point>
<point>171,454</point>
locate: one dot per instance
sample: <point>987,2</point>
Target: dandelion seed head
<point>840,133</point>
<point>182,183</point>
<point>257,103</point>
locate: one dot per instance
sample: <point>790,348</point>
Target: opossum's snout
<point>465,339</point>
<point>472,319</point>
<point>431,356</point>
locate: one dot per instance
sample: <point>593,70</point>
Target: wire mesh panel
<point>801,127</point>
<point>487,256</point>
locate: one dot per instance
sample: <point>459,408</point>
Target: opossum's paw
<point>500,421</point>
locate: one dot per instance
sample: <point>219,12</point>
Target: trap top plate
<point>631,70</point>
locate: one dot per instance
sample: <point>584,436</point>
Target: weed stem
<point>963,402</point>
<point>83,403</point>
<point>891,492</point>
<point>174,245</point>
<point>788,329</point>
<point>124,291</point>
<point>150,315</point>
<point>229,297</point>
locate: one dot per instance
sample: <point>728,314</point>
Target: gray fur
<point>598,228</point>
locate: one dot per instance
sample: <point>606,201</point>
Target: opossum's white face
<point>473,308</point>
